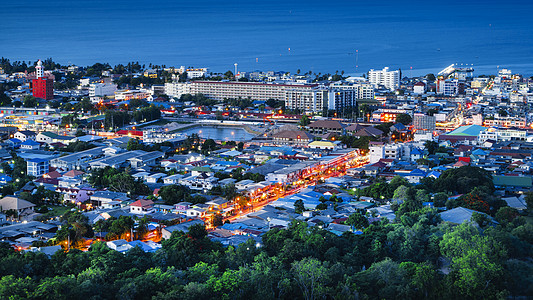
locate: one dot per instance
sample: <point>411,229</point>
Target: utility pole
<point>356,60</point>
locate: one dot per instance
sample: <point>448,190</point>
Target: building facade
<point>37,167</point>
<point>386,78</point>
<point>305,99</point>
<point>42,86</point>
<point>220,90</point>
<point>101,89</point>
<point>424,122</point>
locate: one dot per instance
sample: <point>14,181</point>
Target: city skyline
<point>274,36</point>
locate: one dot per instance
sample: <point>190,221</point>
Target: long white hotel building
<point>305,97</point>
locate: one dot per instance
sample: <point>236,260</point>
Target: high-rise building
<point>42,87</point>
<point>339,99</point>
<point>306,99</point>
<point>386,78</point>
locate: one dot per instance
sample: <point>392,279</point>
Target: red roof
<point>53,175</point>
<point>130,132</point>
<point>73,173</point>
<point>340,221</point>
<point>142,203</point>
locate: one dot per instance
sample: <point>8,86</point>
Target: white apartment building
<point>177,89</point>
<point>379,150</point>
<point>502,135</point>
<point>220,90</point>
<point>386,78</point>
<point>99,90</point>
<point>419,88</point>
<point>449,87</point>
<point>364,90</point>
<point>131,94</point>
<point>305,99</point>
<point>37,167</point>
<point>499,121</point>
<point>194,72</point>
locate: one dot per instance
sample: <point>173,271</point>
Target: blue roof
<point>227,163</point>
<point>37,160</point>
<point>435,174</point>
<point>399,126</point>
<point>15,140</point>
<point>30,143</point>
<point>234,226</point>
<point>416,151</point>
<point>441,168</point>
<point>141,245</point>
<point>5,177</point>
<point>479,152</point>
<point>417,172</point>
<point>272,148</point>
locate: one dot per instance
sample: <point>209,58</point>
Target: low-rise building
<point>37,167</point>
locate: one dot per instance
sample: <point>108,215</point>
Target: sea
<point>349,37</point>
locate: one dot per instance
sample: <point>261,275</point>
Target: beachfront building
<point>305,99</point>
<point>220,90</point>
<point>386,78</point>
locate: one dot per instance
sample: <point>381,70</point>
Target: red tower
<point>42,87</point>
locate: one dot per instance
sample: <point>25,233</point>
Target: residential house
<point>141,207</point>
<point>460,215</point>
<point>101,197</point>
<point>172,179</point>
<point>22,207</point>
<point>30,145</point>
<point>182,207</point>
<point>155,177</point>
<point>184,227</point>
<point>25,135</point>
<point>50,137</point>
<point>415,175</point>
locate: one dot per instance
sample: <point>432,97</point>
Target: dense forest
<point>416,256</point>
<point>421,258</point>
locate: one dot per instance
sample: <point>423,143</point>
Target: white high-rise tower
<point>39,70</point>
